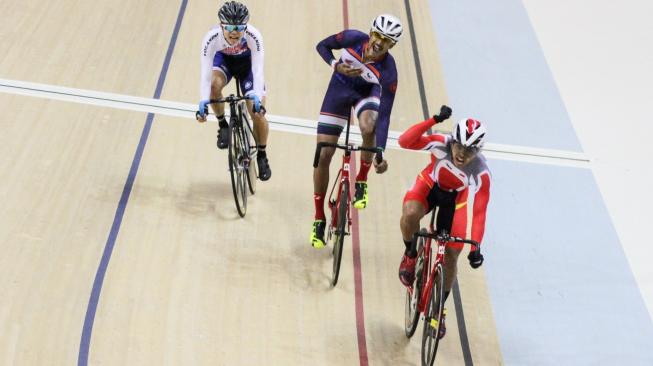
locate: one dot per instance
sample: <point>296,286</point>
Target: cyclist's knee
<point>216,91</point>
<point>218,83</point>
<point>452,253</point>
<point>367,129</point>
<point>412,213</point>
<point>367,121</point>
<point>258,118</point>
<point>326,155</point>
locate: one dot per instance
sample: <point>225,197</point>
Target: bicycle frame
<point>343,174</point>
<point>237,106</point>
<point>340,226</point>
<point>242,149</point>
<point>430,268</point>
<point>430,265</point>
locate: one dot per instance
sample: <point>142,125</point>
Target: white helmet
<point>388,25</point>
<point>469,133</point>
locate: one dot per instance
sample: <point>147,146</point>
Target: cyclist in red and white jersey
<point>457,180</point>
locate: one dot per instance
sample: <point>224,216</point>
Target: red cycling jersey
<point>472,182</point>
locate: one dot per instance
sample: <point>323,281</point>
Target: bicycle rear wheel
<point>237,156</point>
<point>414,293</point>
<point>433,318</point>
<point>340,233</point>
<point>250,147</point>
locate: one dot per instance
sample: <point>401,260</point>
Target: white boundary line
<point>278,123</point>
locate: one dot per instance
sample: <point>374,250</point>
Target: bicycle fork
<point>344,180</point>
<point>429,267</point>
<point>236,126</point>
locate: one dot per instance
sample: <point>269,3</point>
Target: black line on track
<point>460,316</point>
<point>94,298</point>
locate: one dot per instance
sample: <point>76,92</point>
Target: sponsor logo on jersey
<point>206,46</point>
<point>236,49</point>
<point>258,44</point>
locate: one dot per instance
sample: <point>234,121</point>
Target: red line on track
<point>356,249</point>
<point>345,14</point>
<point>358,279</point>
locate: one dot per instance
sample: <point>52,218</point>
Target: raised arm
<point>413,138</point>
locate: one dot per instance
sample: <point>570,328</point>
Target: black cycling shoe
<point>223,137</point>
<point>264,171</point>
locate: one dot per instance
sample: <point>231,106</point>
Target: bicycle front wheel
<point>433,318</point>
<point>250,147</point>
<point>237,158</point>
<point>339,237</point>
<point>414,292</point>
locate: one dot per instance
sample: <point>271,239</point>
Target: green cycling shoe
<point>360,195</point>
<point>317,234</point>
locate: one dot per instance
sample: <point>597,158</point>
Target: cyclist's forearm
<point>325,48</point>
<point>344,39</point>
<point>481,200</point>
<point>205,83</point>
<point>413,138</point>
<point>382,126</point>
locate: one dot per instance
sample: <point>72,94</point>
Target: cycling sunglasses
<point>383,37</point>
<point>234,27</point>
<point>467,150</point>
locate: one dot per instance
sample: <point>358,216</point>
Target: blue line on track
<point>87,331</point>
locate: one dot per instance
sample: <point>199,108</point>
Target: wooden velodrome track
<point>177,277</point>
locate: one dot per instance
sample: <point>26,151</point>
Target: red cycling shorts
<point>421,192</point>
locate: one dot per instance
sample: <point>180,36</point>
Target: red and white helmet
<point>469,133</point>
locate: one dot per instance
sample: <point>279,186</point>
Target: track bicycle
<point>426,294</point>
<point>340,223</point>
<point>242,149</point>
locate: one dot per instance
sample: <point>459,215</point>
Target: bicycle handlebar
<point>447,237</point>
<point>230,99</point>
<point>320,145</point>
<point>234,99</point>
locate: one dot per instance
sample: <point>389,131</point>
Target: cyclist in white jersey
<point>235,48</point>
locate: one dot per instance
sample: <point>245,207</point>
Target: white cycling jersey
<point>214,41</point>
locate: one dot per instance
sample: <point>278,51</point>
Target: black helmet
<point>233,12</point>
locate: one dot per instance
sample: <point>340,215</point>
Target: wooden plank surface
<point>188,281</point>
